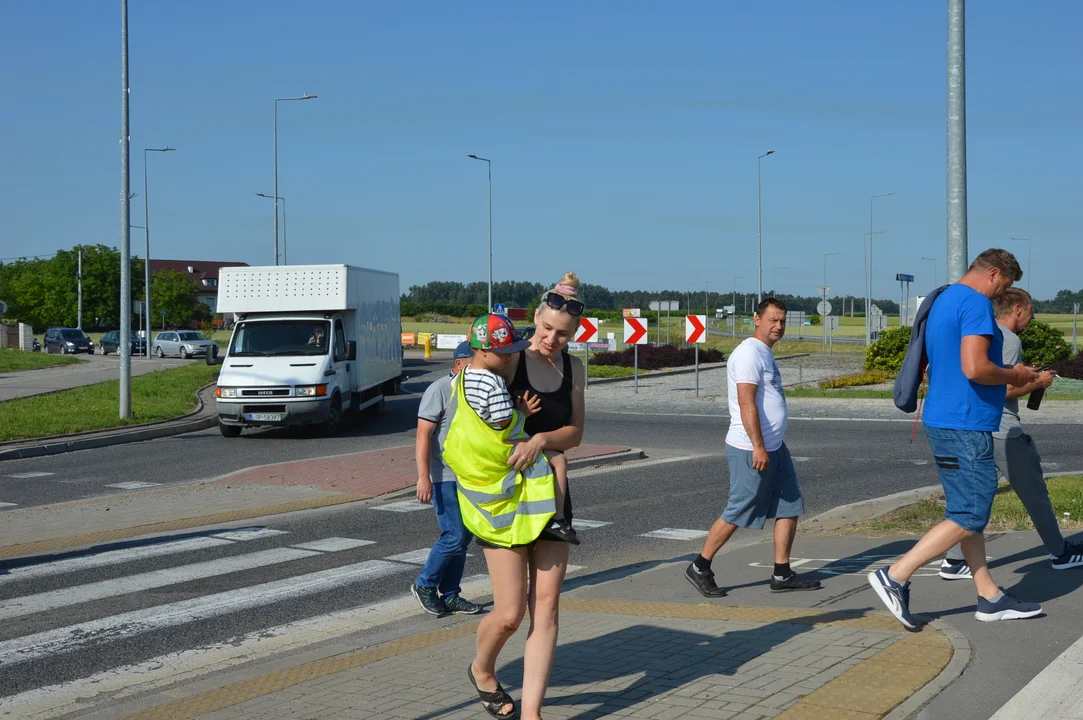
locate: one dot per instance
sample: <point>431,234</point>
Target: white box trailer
<point>310,343</point>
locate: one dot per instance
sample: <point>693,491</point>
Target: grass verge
<point>16,360</point>
<point>161,395</point>
<point>1066,494</point>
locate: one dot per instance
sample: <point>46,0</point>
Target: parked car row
<point>181,343</point>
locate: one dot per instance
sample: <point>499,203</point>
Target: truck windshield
<point>281,337</point>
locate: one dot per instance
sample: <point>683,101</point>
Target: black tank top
<point>556,406</point>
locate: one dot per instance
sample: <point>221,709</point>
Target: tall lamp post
<point>489,162</point>
<point>306,96</point>
<point>868,269</point>
<point>1029,266</point>
<point>285,255</point>
<point>705,311</point>
<point>146,239</point>
<point>774,279</point>
<point>933,261</point>
<point>759,231</point>
<point>733,334</point>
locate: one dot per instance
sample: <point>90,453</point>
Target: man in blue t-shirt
<point>967,388</point>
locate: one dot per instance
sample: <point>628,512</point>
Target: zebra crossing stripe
<point>4,504</point>
<point>41,602</point>
<point>129,624</point>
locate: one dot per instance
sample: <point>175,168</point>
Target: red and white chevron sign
<point>635,331</point>
<point>695,328</point>
<point>588,330</point>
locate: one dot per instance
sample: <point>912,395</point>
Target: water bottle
<point>1035,400</point>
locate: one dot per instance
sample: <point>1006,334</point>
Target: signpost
<point>1075,328</point>
<point>629,312</point>
<point>666,306</point>
<point>635,333</point>
<point>695,331</point>
<point>904,295</point>
<point>586,333</point>
<point>500,309</point>
<point>824,309</point>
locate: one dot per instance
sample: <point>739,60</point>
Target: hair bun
<point>569,281</point>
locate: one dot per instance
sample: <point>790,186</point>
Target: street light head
<point>306,96</point>
<point>472,155</point>
<point>769,152</point>
<point>168,149</point>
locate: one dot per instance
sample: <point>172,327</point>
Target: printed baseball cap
<point>462,351</point>
<point>496,333</point>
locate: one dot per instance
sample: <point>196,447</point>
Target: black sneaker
<point>1070,558</point>
<point>429,600</point>
<point>703,580</point>
<point>955,570</point>
<point>456,604</point>
<point>1008,607</point>
<point>895,596</point>
<point>793,582</point>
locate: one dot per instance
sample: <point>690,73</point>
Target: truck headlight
<point>225,392</point>
<point>310,390</point>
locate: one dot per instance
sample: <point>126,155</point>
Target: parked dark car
<point>525,333</point>
<point>68,341</point>
<point>110,342</point>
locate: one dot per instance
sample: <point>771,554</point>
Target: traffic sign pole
<point>635,368</point>
<point>586,334</point>
<point>695,331</point>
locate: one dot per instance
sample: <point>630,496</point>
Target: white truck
<point>310,343</point>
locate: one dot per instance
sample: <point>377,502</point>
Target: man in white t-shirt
<point>763,483</point>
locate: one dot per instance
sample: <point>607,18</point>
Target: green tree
<point>1043,345</point>
<point>174,293</point>
<point>888,352</point>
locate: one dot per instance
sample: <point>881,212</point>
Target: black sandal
<point>493,701</point>
<point>561,531</point>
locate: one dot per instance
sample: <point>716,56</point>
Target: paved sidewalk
<point>256,492</point>
<point>95,369</point>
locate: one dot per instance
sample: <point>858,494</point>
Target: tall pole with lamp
<point>285,256</point>
<point>489,162</point>
<point>146,240</point>
<point>759,231</point>
<point>305,96</point>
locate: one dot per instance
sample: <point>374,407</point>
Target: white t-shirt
<point>753,363</point>
<point>488,395</point>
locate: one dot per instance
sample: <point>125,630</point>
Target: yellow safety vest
<point>499,504</point>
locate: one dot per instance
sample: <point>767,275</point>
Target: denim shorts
<point>966,463</point>
<point>756,495</point>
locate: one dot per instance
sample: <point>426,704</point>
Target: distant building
<point>203,273</point>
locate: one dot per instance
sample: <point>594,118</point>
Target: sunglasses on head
<point>557,301</point>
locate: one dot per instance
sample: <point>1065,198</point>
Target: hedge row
<point>656,357</point>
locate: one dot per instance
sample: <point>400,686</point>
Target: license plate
<point>265,417</point>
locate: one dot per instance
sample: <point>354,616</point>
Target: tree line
<point>44,292</point>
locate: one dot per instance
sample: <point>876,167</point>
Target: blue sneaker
<point>896,596</point>
<point>955,571</point>
<point>1008,607</point>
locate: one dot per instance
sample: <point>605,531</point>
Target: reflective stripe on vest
<point>501,506</point>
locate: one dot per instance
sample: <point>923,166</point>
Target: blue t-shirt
<point>954,401</point>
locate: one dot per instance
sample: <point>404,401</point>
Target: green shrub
<point>869,377</point>
<point>888,352</point>
<point>610,371</point>
<point>1044,345</point>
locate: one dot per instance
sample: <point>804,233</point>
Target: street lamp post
<point>490,164</point>
<point>285,256</point>
<point>759,231</point>
<point>868,269</point>
<point>933,261</point>
<point>306,96</point>
<point>1029,266</point>
<point>146,239</point>
<point>774,279</point>
<point>705,284</point>
<point>733,334</point>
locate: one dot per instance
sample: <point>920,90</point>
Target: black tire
<point>333,424</point>
<point>184,353</point>
<point>105,351</point>
<point>229,431</point>
<point>63,349</point>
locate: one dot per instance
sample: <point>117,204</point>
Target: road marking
<point>588,524</point>
<point>4,504</point>
<point>30,604</point>
<point>133,485</point>
<point>248,533</point>
<point>402,506</point>
<point>414,557</point>
<point>636,465</point>
<point>129,624</point>
<point>857,565</point>
<point>334,544</point>
<point>574,568</point>
<point>27,475</point>
<point>111,557</point>
<point>675,534</point>
<point>183,666</point>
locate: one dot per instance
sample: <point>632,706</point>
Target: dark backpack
<point>908,382</point>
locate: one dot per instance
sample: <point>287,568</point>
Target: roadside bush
<point>1071,367</point>
<point>1043,344</point>
<point>888,352</point>
<point>869,377</point>
<point>655,357</point>
<point>610,371</point>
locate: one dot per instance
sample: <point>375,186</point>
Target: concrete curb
<point>201,418</point>
<point>681,371</point>
<point>863,510</point>
<point>960,659</point>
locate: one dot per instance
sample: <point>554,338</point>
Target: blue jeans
<point>444,568</point>
<point>968,473</point>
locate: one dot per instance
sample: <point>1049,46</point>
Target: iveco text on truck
<point>311,342</point>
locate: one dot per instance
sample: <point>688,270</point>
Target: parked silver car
<point>185,343</point>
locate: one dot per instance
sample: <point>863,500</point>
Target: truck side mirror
<point>351,350</point>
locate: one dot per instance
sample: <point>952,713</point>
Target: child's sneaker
<point>561,530</point>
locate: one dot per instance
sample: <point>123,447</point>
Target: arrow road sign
<point>588,330</point>
<point>635,331</point>
<point>695,328</point>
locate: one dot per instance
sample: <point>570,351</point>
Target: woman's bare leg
<point>548,563</point>
<point>508,573</point>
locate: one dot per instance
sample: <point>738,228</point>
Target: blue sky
<point>623,135</point>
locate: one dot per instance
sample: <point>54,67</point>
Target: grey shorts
<point>757,495</point>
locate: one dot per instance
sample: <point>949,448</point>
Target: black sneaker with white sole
<point>896,596</point>
<point>703,580</point>
<point>461,606</point>
<point>1072,557</point>
<point>429,599</point>
<point>793,582</point>
<point>1008,607</point>
<point>955,570</point>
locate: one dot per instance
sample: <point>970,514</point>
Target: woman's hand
<point>526,453</point>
